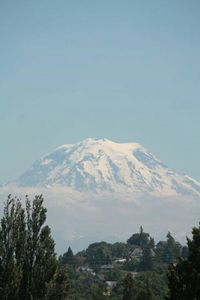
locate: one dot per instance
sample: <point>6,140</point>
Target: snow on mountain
<point>97,165</point>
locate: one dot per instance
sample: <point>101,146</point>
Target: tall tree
<point>172,250</point>
<point>146,263</point>
<point>40,264</point>
<point>27,256</point>
<point>184,277</point>
<point>12,249</point>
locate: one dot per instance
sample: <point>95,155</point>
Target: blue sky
<point>124,70</point>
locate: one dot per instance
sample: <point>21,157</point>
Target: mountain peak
<point>103,142</point>
<point>97,165</point>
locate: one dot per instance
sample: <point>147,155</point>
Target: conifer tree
<point>147,259</point>
<point>184,277</point>
<point>172,252</point>
<point>68,257</point>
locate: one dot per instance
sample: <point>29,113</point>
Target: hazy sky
<point>124,70</point>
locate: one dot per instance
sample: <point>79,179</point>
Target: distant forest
<point>139,269</point>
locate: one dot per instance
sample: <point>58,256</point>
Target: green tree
<point>184,277</point>
<point>147,259</point>
<point>98,254</point>
<point>12,249</point>
<point>173,249</point>
<point>40,263</point>
<point>153,283</point>
<point>145,294</point>
<point>68,257</point>
<point>27,256</point>
<point>141,239</point>
<point>85,286</point>
<point>129,288</point>
<point>169,251</point>
<point>58,288</point>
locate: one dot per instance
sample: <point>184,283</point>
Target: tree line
<point>31,270</point>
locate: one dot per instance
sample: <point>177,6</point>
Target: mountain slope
<point>96,165</point>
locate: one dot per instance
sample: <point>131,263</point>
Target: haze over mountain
<point>100,165</point>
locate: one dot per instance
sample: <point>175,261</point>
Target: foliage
<point>184,277</point>
<point>68,258</point>
<point>98,254</point>
<point>12,251</point>
<point>27,257</point>
<point>85,286</point>
<point>147,259</point>
<point>169,251</point>
<point>119,250</point>
<point>29,269</point>
<point>113,275</point>
<point>58,288</point>
<point>154,283</point>
<point>141,239</point>
<point>129,288</point>
<point>131,265</point>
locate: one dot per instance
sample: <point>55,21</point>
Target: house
<point>86,270</point>
<point>136,254</point>
<point>120,261</point>
<point>110,286</point>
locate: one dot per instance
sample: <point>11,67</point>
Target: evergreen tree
<point>172,251</point>
<point>147,259</point>
<point>184,277</point>
<point>129,288</point>
<point>68,257</point>
<point>145,293</point>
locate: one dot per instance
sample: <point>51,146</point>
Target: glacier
<point>99,165</point>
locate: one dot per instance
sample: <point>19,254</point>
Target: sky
<point>126,70</point>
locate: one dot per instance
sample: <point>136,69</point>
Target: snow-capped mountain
<point>96,165</point>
